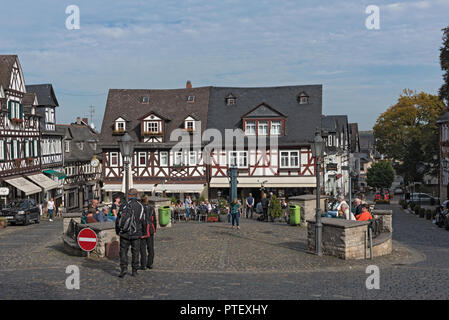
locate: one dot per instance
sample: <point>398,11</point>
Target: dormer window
<point>191,99</point>
<point>230,99</point>
<point>303,98</point>
<point>152,127</point>
<point>119,126</point>
<point>189,124</point>
<point>276,128</point>
<point>145,99</point>
<point>80,145</point>
<point>250,128</point>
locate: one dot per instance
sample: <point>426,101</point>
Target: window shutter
<point>5,150</point>
<point>20,111</point>
<point>9,110</point>
<point>18,150</point>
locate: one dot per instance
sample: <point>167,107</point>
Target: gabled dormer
<point>120,126</point>
<point>303,98</point>
<point>264,120</point>
<point>190,123</point>
<point>230,99</point>
<point>152,127</point>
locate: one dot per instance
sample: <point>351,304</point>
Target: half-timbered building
<point>20,162</point>
<point>82,181</point>
<point>284,117</point>
<point>51,140</point>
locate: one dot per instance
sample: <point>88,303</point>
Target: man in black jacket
<point>147,241</point>
<point>130,225</point>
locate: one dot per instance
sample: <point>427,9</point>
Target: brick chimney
<point>188,84</point>
<point>78,120</point>
<point>86,121</point>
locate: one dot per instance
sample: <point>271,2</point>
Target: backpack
<point>127,223</point>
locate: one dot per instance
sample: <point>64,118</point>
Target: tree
<point>411,122</point>
<point>444,61</point>
<point>275,208</point>
<point>380,175</point>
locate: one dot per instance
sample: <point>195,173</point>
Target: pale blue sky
<point>161,44</point>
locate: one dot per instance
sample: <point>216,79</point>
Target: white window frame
<point>2,150</point>
<point>187,124</point>
<point>194,162</point>
<point>147,126</point>
<point>114,155</point>
<point>278,124</point>
<point>289,159</point>
<point>176,156</point>
<point>261,124</point>
<point>118,124</point>
<point>249,124</point>
<point>240,157</point>
<point>162,155</point>
<point>144,155</point>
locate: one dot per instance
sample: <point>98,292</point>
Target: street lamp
<point>126,144</point>
<point>317,152</point>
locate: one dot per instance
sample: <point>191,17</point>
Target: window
<point>142,159</point>
<point>192,158</point>
<point>163,159</point>
<point>152,126</point>
<point>238,159</point>
<point>290,159</point>
<point>26,148</point>
<point>231,101</point>
<point>191,99</point>
<point>263,128</point>
<point>15,110</point>
<point>190,125</point>
<point>120,126</point>
<point>303,98</point>
<point>67,146</point>
<point>276,128</point>
<point>114,159</point>
<point>49,115</point>
<point>250,128</point>
<point>145,99</point>
<point>80,145</point>
<point>178,158</point>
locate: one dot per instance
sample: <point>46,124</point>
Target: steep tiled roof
<point>6,64</point>
<point>77,134</point>
<point>45,94</point>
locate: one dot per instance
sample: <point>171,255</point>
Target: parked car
<point>422,198</point>
<point>398,191</point>
<point>21,211</point>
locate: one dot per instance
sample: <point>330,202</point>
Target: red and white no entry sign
<point>87,239</point>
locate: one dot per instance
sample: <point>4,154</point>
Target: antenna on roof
<point>91,112</point>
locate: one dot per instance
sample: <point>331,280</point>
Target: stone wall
<point>308,206</point>
<point>347,239</point>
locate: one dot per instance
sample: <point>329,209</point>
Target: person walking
<point>130,225</point>
<point>188,206</point>
<point>249,205</point>
<point>147,240</point>
<point>235,213</point>
<point>50,208</point>
<point>265,203</point>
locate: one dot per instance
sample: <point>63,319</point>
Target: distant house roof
<point>367,141</point>
<point>80,133</point>
<point>443,118</point>
<point>29,99</point>
<point>6,64</point>
<point>45,94</point>
<point>354,137</point>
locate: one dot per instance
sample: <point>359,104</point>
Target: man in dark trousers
<point>130,225</point>
<point>265,203</point>
<point>147,241</point>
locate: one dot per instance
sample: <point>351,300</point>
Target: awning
<point>180,188</point>
<point>58,174</point>
<point>24,185</point>
<point>118,187</point>
<point>45,182</point>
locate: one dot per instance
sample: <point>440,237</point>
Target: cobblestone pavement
<point>211,261</point>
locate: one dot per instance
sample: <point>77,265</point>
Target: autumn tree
<point>407,131</point>
<point>444,61</point>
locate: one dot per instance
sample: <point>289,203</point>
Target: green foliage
<point>444,62</point>
<point>403,204</point>
<point>173,199</point>
<point>202,199</point>
<point>380,175</point>
<point>407,132</point>
<point>275,209</point>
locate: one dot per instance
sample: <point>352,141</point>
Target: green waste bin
<point>164,215</point>
<point>295,214</point>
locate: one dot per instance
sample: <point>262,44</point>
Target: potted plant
<point>223,209</point>
<point>275,210</point>
<point>3,222</point>
<point>428,214</point>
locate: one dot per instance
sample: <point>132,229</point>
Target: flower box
<point>29,160</point>
<point>151,133</point>
<point>212,218</point>
<point>18,162</point>
<point>16,120</point>
<point>118,132</point>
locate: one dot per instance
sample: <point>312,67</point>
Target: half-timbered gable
<point>151,122</point>
<point>287,165</point>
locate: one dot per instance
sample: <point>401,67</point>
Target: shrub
<point>412,205</point>
<point>275,209</point>
<point>416,209</point>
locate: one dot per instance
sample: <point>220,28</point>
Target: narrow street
<point>211,261</point>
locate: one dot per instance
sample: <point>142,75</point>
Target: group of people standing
<point>136,225</point>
